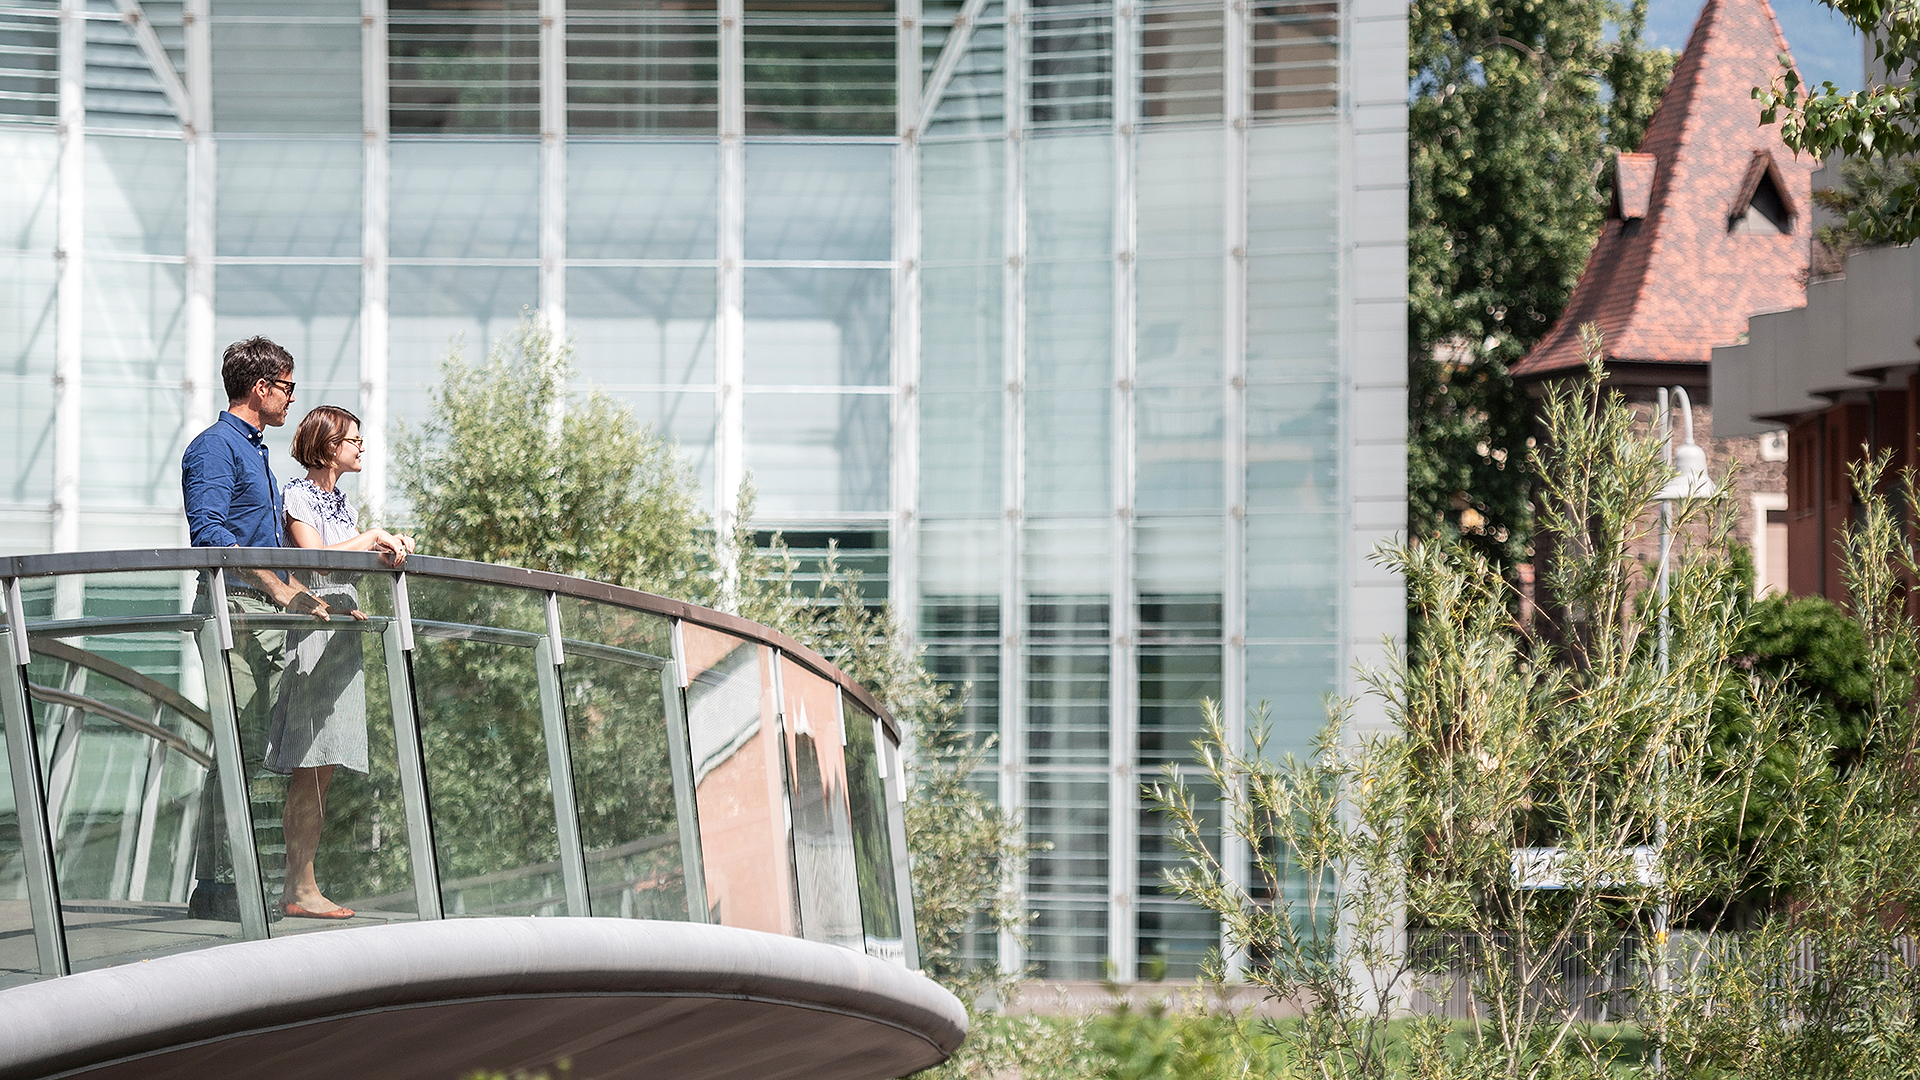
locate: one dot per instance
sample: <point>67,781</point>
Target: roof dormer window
<point>1762,206</point>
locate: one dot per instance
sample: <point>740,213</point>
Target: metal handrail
<point>428,566</point>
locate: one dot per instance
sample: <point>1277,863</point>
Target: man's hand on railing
<point>293,596</point>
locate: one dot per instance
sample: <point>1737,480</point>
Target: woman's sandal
<point>295,911</point>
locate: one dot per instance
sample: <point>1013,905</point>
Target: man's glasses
<point>283,385</point>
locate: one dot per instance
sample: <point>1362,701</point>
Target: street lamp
<point>1689,481</point>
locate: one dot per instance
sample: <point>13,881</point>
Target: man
<point>233,500</point>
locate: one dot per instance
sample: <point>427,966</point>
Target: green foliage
<point>1154,1044</point>
<point>1875,129</point>
<point>1517,106</point>
<point>1811,645</point>
<point>1501,740</point>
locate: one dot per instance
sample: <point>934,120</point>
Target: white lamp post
<point>1689,481</point>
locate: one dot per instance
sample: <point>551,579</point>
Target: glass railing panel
<point>118,689</point>
<point>873,853</point>
<point>822,823</point>
<point>329,826</point>
<point>738,769</point>
<point>477,658</point>
<point>19,956</point>
<point>614,678</point>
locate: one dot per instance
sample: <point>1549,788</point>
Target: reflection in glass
<point>823,854</point>
<point>819,201</point>
<point>622,769</point>
<point>478,685</point>
<point>872,843</point>
<point>734,741</point>
<point>122,721</point>
<point>819,453</point>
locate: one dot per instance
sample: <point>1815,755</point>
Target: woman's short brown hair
<point>320,435</point>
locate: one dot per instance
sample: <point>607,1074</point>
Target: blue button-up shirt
<point>231,495</point>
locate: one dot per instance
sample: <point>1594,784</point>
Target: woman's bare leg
<point>305,812</point>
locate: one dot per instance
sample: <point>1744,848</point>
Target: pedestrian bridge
<point>538,745</point>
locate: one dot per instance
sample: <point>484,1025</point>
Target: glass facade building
<point>1084,322</point>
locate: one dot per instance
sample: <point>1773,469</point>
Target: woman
<point>320,719</point>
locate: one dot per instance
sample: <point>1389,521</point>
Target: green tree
<point>1877,129</point>
<point>1516,107</point>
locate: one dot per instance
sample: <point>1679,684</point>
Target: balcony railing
<point>534,744</point>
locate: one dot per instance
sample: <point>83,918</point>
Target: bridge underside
<point>613,998</point>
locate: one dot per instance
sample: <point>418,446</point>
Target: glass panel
<point>120,711</point>
<point>960,558</point>
<point>1293,192</point>
<point>1182,66</point>
<point>962,328</point>
<point>1069,181</point>
<point>1295,69</point>
<point>477,682</point>
<point>623,774</point>
<point>650,200</point>
<point>134,421</point>
<point>1294,331</point>
<point>465,200</point>
<point>823,853</point>
<point>1294,682</point>
<point>634,68</point>
<point>1068,558</point>
<point>474,70</point>
<point>962,195</point>
<point>872,843</point>
<point>329,826</point>
<point>27,310</point>
<point>1070,324</point>
<point>1069,451</point>
<point>819,201</point>
<point>286,76</point>
<point>962,635</point>
<point>1173,680</point>
<point>1069,666</point>
<point>818,327</point>
<point>827,75</point>
<point>960,453</point>
<point>1179,556</point>
<point>688,420</point>
<point>29,67</point>
<point>1179,436</point>
<point>19,956</point>
<point>1070,66</point>
<point>734,738</point>
<point>819,453</point>
<point>30,205</point>
<point>289,198</point>
<point>1293,447</point>
<point>975,100</point>
<point>642,327</point>
<point>435,307</point>
<point>312,310</point>
<point>1293,576</point>
<point>1068,882</point>
<point>136,195</point>
<point>1180,180</point>
<point>1180,320</point>
<point>1175,937</point>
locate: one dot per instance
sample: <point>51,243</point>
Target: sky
<point>1824,45</point>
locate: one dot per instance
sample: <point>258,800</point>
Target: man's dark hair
<point>249,361</point>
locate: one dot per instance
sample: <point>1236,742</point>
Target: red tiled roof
<point>1669,287</point>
